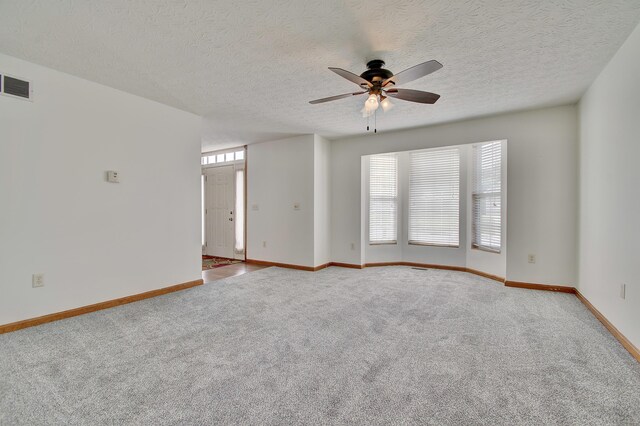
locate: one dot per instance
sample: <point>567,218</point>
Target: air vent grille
<point>16,87</point>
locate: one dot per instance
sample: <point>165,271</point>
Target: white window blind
<point>383,198</point>
<point>434,197</point>
<point>487,196</point>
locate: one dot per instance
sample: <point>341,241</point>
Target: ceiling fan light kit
<point>386,104</point>
<point>379,83</point>
<point>370,106</point>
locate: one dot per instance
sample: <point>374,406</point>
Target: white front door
<point>219,213</point>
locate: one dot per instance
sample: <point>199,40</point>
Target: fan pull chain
<point>367,123</point>
<point>375,121</point>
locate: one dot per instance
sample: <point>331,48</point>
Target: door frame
<point>237,165</point>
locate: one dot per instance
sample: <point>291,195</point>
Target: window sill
<point>487,250</point>
<point>383,243</point>
<point>415,243</point>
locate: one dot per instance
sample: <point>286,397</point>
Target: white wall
<point>279,174</point>
<point>541,194</point>
<point>93,240</point>
<point>609,194</point>
<point>322,200</point>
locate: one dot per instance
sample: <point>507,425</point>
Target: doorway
<point>223,207</point>
<point>219,206</point>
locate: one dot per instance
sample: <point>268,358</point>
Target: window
<point>434,197</point>
<point>225,157</point>
<point>202,208</point>
<point>383,199</point>
<point>239,245</point>
<point>486,197</point>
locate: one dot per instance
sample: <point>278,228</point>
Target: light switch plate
<point>37,280</point>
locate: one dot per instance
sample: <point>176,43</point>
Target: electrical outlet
<point>531,258</point>
<point>255,207</point>
<point>264,244</point>
<point>113,176</point>
<point>623,290</point>
<point>37,280</point>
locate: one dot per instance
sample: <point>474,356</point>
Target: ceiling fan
<point>379,84</point>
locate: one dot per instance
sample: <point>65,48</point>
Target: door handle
<point>230,219</point>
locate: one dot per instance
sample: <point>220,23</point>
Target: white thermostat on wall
<point>113,176</point>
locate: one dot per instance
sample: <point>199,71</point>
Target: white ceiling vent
<point>16,87</point>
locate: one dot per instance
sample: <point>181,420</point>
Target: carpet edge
<point>626,343</point>
<point>56,316</point>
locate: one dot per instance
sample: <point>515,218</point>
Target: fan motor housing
<point>375,72</point>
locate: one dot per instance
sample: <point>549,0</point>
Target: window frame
<point>396,200</point>
<point>459,199</point>
<point>240,208</point>
<point>223,154</point>
<point>477,195</point>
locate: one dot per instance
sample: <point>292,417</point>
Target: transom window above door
<point>211,158</point>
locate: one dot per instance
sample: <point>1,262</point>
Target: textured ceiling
<point>250,67</point>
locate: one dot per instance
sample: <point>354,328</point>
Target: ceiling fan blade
<point>333,98</point>
<point>351,77</point>
<point>413,73</point>
<point>413,95</point>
